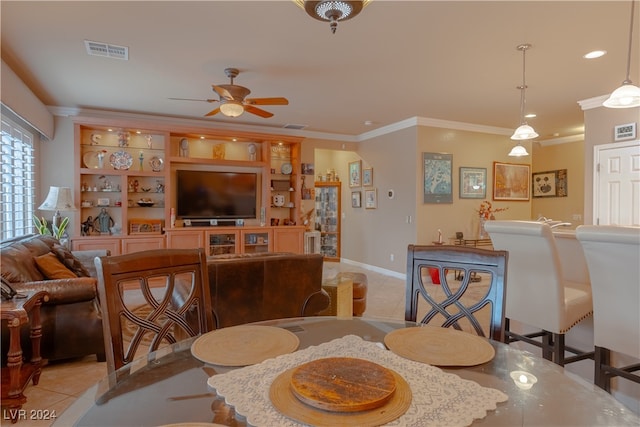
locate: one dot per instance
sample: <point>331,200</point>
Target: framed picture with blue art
<point>473,183</point>
<point>437,183</point>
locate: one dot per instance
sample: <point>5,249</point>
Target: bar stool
<point>538,294</point>
<point>612,255</point>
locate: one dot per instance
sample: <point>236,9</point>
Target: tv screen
<point>216,195</point>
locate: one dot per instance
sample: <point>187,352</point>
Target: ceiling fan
<point>233,102</point>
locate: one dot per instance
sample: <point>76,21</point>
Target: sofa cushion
<point>18,264</point>
<point>70,261</point>
<point>52,268</point>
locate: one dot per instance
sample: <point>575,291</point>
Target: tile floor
<point>62,382</point>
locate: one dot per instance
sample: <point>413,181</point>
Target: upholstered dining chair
<point>150,299</point>
<point>539,295</point>
<point>452,303</point>
<point>612,255</point>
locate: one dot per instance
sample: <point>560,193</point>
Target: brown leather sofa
<point>254,287</point>
<point>71,319</point>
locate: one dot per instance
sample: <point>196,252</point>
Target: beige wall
<point>569,156</point>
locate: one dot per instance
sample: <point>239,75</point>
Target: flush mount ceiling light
<point>332,11</point>
<point>524,131</point>
<point>627,95</point>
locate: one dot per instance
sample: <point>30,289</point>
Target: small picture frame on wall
<point>367,177</point>
<point>355,173</point>
<point>511,181</point>
<point>370,199</point>
<point>473,183</point>
<point>549,183</point>
<point>356,199</point>
<point>625,132</point>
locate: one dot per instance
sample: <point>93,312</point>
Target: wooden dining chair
<point>541,295</point>
<point>150,299</point>
<point>612,254</point>
<point>461,304</point>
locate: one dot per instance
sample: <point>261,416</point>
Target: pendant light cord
<point>523,87</point>
<point>628,80</point>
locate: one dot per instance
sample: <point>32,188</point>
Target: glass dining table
<point>170,386</point>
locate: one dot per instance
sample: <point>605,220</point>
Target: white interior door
<point>617,184</point>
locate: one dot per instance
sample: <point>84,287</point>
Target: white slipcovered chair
<point>539,294</point>
<point>613,258</point>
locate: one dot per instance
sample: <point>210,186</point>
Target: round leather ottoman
<point>360,287</point>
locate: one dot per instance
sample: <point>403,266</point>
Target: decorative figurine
<point>87,226</point>
<point>103,221</point>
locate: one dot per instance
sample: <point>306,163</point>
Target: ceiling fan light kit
<point>233,101</point>
<point>524,131</point>
<point>332,11</point>
<point>627,95</point>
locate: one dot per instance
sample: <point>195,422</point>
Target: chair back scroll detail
<point>458,304</point>
<point>150,299</point>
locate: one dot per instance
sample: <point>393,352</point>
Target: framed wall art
<point>437,181</point>
<point>549,183</point>
<point>473,183</point>
<point>370,199</point>
<point>511,181</point>
<point>356,199</point>
<point>367,177</point>
<point>355,173</point>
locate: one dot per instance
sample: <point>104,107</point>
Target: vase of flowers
<point>486,212</point>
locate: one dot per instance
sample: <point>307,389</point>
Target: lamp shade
<point>523,132</point>
<point>518,151</point>
<point>231,108</point>
<point>626,96</point>
<point>58,199</point>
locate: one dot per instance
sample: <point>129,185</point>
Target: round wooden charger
<point>440,346</point>
<point>195,424</point>
<point>283,399</point>
<point>343,384</point>
<point>243,345</point>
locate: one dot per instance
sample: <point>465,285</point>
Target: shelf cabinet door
<point>84,244</point>
<point>222,242</point>
<point>288,239</point>
<point>258,240</point>
<point>185,239</point>
<point>138,244</point>
<point>328,211</point>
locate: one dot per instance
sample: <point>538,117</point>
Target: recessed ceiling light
<point>594,54</point>
<point>368,122</point>
<point>531,115</point>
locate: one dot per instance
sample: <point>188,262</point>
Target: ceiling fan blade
<point>257,111</point>
<point>267,101</point>
<point>212,112</point>
<point>224,93</point>
<point>193,99</point>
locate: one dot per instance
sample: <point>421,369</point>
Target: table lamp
<point>58,199</point>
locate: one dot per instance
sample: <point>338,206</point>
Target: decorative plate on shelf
<point>156,164</point>
<point>121,160</point>
<point>286,168</point>
<point>91,160</point>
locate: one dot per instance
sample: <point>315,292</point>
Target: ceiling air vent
<point>290,126</point>
<point>108,50</point>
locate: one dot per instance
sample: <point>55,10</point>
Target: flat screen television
<point>216,195</point>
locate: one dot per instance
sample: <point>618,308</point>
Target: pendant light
<point>524,131</point>
<point>332,11</point>
<point>627,95</point>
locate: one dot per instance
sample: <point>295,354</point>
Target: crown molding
<point>562,140</point>
<point>591,103</point>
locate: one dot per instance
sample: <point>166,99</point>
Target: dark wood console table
<point>16,375</point>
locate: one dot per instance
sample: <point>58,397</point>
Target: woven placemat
<point>285,402</point>
<point>195,424</point>
<point>440,346</point>
<point>243,345</point>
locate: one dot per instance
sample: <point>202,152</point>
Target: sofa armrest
<point>87,258</point>
<point>63,291</point>
<point>316,302</point>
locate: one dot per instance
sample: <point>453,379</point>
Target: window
<point>18,180</point>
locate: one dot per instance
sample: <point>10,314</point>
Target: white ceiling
<point>449,60</point>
